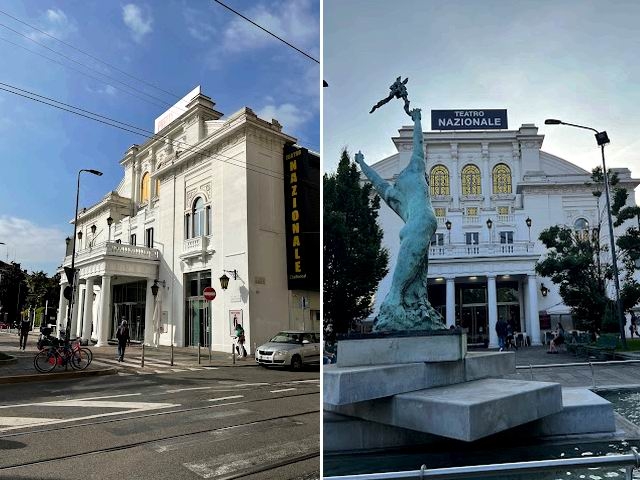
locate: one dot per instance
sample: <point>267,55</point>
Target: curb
<point>45,377</point>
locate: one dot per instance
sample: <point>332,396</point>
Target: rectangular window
<point>149,237</point>
<point>472,211</point>
<point>503,210</point>
<point>437,240</point>
<point>208,220</point>
<point>440,212</point>
<point>471,238</point>
<point>186,227</point>
<point>506,237</point>
<point>132,240</point>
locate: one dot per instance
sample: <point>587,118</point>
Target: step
<point>466,411</point>
<point>344,385</point>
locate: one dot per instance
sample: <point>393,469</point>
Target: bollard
<point>198,353</point>
<point>531,370</point>
<point>172,353</point>
<point>209,353</point>
<point>142,360</point>
<point>593,376</point>
<point>233,353</point>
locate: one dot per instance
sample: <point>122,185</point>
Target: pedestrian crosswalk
<point>133,366</point>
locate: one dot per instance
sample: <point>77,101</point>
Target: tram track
<point>127,446</point>
<point>153,414</point>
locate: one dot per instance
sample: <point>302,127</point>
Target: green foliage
<point>354,260</point>
<point>20,290</point>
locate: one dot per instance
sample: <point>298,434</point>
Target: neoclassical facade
<point>201,200</point>
<point>493,192</point>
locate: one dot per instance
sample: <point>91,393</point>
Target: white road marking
<point>130,407</point>
<point>250,384</point>
<point>225,398</point>
<point>283,390</point>
<point>188,389</point>
<point>178,370</point>
<point>76,399</point>
<point>234,462</point>
<point>315,380</point>
<point>23,421</point>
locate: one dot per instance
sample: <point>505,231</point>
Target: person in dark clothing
<point>25,328</point>
<point>501,330</point>
<point>123,339</point>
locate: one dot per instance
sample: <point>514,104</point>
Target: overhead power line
<point>267,31</point>
<point>117,124</point>
<point>90,56</point>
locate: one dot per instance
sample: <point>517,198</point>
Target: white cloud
<point>35,247</point>
<point>198,27</point>
<point>135,20</point>
<point>293,21</point>
<point>289,115</point>
<point>55,23</point>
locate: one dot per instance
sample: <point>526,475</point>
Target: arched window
<point>471,180</point>
<point>581,224</point>
<point>144,188</point>
<point>501,179</point>
<point>439,181</point>
<point>199,218</point>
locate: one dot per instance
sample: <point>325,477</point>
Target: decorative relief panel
<point>189,198</point>
<point>206,188</point>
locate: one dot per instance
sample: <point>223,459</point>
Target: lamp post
<point>109,223</point>
<point>448,225</point>
<point>528,222</point>
<point>489,225</point>
<point>72,280</point>
<point>602,139</point>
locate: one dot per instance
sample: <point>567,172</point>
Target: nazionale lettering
<point>468,122</point>
<point>295,213</point>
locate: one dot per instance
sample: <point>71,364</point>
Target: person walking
<point>501,330</point>
<point>123,339</point>
<point>24,329</point>
<point>242,352</point>
<point>633,324</point>
<point>557,340</point>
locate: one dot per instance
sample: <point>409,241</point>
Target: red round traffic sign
<point>209,293</point>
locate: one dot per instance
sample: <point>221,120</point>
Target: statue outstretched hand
<point>415,114</point>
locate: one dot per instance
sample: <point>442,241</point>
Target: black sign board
<point>469,120</point>
<point>302,217</point>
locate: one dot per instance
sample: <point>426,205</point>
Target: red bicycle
<point>46,359</point>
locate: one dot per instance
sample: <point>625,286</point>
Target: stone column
<point>534,323</point>
<point>74,312</point>
<point>451,301</point>
<point>493,310</point>
<point>87,321</point>
<point>148,315</point>
<point>105,312</point>
<point>62,309</point>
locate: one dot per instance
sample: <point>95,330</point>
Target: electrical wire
<point>90,56</point>
<point>267,31</point>
<point>85,66</point>
<point>97,118</point>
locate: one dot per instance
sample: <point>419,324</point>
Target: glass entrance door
<point>133,313</point>
<point>474,320</point>
<point>198,322</point>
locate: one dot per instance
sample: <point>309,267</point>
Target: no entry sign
<point>209,293</point>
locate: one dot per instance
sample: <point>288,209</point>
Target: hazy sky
<point>572,60</point>
<point>172,44</point>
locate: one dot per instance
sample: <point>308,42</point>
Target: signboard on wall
<point>495,119</point>
<point>302,217</point>
<point>235,318</point>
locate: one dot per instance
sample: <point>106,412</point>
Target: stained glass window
<point>501,179</point>
<point>471,180</point>
<point>439,181</point>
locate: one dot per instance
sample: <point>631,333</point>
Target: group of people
<point>506,338</point>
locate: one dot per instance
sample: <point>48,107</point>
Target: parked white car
<point>292,349</point>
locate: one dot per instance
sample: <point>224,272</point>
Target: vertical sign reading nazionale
<point>302,217</point>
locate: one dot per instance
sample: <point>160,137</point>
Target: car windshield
<point>287,337</point>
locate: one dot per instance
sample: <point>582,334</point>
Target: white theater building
<point>493,192</point>
<point>203,199</point>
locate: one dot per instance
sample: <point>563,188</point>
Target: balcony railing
<point>195,246</point>
<point>481,250</point>
<point>114,249</point>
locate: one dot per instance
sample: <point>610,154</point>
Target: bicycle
<point>46,359</point>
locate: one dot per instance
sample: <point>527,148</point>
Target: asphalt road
<point>227,423</point>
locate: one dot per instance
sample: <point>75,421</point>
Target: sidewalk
<point>157,360</point>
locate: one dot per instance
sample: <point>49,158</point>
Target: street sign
<point>209,293</point>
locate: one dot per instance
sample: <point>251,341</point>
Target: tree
<point>354,260</point>
<point>13,290</point>
<point>574,262</point>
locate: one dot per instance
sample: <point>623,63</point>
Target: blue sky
<point>175,45</point>
<point>575,60</point>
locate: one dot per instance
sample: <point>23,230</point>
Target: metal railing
<point>628,461</point>
<point>576,364</point>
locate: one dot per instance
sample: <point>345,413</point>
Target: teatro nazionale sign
<point>495,119</point>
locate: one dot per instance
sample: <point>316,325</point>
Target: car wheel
<point>296,363</point>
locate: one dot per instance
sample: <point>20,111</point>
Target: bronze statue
<point>398,90</point>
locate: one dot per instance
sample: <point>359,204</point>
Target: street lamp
<point>602,139</point>
<point>448,225</point>
<point>71,275</point>
<point>224,280</point>
<point>489,225</point>
<point>109,223</point>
